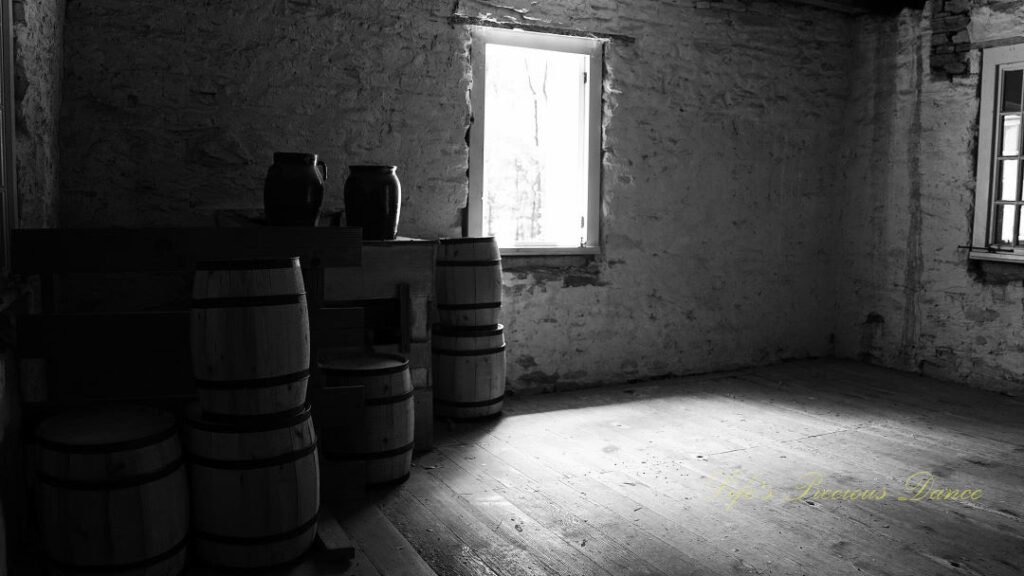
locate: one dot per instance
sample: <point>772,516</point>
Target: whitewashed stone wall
<point>38,28</point>
<point>720,169</point>
<point>908,298</point>
<point>173,109</point>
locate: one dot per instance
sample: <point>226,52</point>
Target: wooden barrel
<point>384,441</point>
<point>468,282</point>
<point>250,337</point>
<point>111,492</point>
<point>469,371</point>
<point>255,486</point>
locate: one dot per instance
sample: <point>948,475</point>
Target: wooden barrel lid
<point>468,331</point>
<point>369,365</point>
<point>108,428</point>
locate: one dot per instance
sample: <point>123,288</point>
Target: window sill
<point>551,251</point>
<point>519,263</point>
<point>989,268</point>
<point>1006,257</point>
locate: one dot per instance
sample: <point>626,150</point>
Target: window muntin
<point>1007,200</point>
<point>535,141</point>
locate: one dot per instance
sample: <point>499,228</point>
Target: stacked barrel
<point>111,493</point>
<point>468,345</point>
<point>250,439</point>
<point>378,432</point>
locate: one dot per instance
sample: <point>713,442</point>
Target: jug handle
<point>324,166</point>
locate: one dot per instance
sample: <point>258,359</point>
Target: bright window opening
<point>535,142</point>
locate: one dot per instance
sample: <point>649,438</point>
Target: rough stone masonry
<point>779,181</point>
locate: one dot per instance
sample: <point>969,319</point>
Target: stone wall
<point>719,165</point>
<point>718,192</point>
<point>38,28</point>
<point>173,109</point>
<point>907,295</point>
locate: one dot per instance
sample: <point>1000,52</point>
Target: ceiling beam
<point>860,7</point>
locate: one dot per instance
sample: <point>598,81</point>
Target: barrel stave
<point>385,442</point>
<point>111,493</point>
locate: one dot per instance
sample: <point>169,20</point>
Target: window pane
<point>1008,180</point>
<point>1012,80</point>
<point>1004,223</point>
<point>1011,135</point>
<point>535,177</point>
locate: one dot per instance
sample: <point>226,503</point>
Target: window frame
<point>993,61</point>
<point>593,47</point>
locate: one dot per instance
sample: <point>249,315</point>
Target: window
<point>535,142</point>
<point>998,219</point>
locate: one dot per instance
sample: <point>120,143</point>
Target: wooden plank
<point>89,250</point>
<point>332,327</point>
<point>514,523</point>
<point>638,452</point>
<point>384,266</point>
<point>424,414</point>
<point>315,563</point>
<point>110,355</point>
<point>332,538</point>
<point>338,414</point>
<point>435,538</point>
<point>613,515</point>
<point>503,552</point>
<point>385,547</point>
<point>570,519</point>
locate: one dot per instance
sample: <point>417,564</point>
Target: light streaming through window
<point>535,188</point>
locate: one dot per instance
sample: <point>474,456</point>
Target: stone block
<point>950,24</point>
<point>955,67</point>
<point>956,6</point>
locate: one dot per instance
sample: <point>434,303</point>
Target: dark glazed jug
<point>294,189</point>
<point>373,197</point>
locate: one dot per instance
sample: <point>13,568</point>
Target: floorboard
<point>706,475</point>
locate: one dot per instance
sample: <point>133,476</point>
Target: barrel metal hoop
<point>369,455</point>
<point>249,301</point>
<point>480,404</point>
<point>474,306</point>
<point>126,567</point>
<point>482,352</point>
<point>286,458</point>
<point>253,540</point>
<point>235,424</point>
<point>468,263</point>
<point>111,484</point>
<point>267,264</point>
<point>133,444</point>
<point>251,383</point>
<point>385,400</point>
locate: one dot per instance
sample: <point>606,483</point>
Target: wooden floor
<point>705,475</point>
